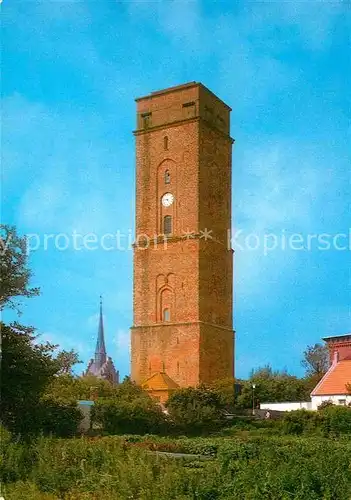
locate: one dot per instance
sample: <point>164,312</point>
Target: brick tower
<point>183,263</point>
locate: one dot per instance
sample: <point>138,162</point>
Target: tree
<point>272,386</point>
<point>67,388</point>
<point>14,275</point>
<point>316,360</point>
<point>28,366</point>
<point>196,409</point>
<point>139,415</point>
<point>227,391</point>
<point>128,409</point>
<point>66,361</point>
<point>26,369</point>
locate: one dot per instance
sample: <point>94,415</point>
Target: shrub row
<point>329,421</point>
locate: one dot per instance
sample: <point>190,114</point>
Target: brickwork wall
<point>173,348</point>
<point>215,284</point>
<point>184,132</point>
<point>152,160</point>
<point>175,267</point>
<point>216,353</point>
<point>342,345</point>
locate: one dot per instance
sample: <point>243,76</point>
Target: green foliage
<point>325,404</point>
<point>27,365</point>
<point>281,469</point>
<point>60,420</point>
<point>316,360</point>
<point>329,421</point>
<point>226,389</point>
<point>118,416</point>
<point>272,386</point>
<point>26,370</point>
<point>69,389</point>
<point>117,469</point>
<point>299,422</point>
<point>14,273</point>
<point>129,390</point>
<point>66,360</point>
<point>131,410</point>
<point>196,410</point>
<point>29,491</point>
<point>336,420</point>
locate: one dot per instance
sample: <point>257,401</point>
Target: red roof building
<point>334,385</point>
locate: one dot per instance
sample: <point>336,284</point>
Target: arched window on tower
<point>165,143</point>
<point>167,224</point>
<point>167,177</point>
<point>166,314</point>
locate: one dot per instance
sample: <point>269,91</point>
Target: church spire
<point>100,351</point>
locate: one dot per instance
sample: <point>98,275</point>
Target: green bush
<point>325,404</point>
<point>28,491</point>
<point>5,435</point>
<point>61,420</point>
<point>335,420</point>
<point>196,410</point>
<point>283,468</point>
<point>138,416</point>
<point>299,422</point>
<point>330,420</point>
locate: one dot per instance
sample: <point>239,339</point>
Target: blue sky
<point>71,73</point>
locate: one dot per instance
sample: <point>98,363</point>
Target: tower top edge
<point>177,88</point>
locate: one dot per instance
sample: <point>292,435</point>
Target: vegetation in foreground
<point>123,468</point>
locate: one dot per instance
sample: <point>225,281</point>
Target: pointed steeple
<point>100,351</point>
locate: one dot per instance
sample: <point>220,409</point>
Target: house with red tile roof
<point>333,386</point>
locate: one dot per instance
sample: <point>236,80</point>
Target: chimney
<point>335,357</point>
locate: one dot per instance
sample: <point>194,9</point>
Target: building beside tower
<point>334,385</point>
<point>182,332</point>
<point>101,365</point>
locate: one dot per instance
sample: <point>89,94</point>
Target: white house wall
<point>318,400</point>
<point>287,406</point>
<point>307,405</point>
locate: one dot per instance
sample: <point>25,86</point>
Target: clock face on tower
<point>167,199</point>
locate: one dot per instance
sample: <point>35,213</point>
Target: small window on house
<point>342,402</point>
<point>167,177</point>
<point>167,224</point>
<point>166,315</point>
<point>165,143</point>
